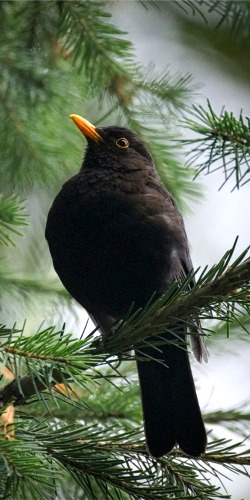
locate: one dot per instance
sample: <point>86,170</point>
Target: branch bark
<point>19,390</point>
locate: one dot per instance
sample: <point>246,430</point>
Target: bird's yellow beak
<point>88,130</point>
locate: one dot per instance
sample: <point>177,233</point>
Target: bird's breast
<point>114,248</point>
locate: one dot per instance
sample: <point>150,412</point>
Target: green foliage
<point>78,416</point>
<point>85,57</point>
<point>224,144</point>
<point>51,356</point>
<point>234,419</point>
<point>96,46</point>
<point>117,466</point>
<point>234,15</point>
<point>11,217</point>
<point>116,463</point>
<point>29,475</point>
<point>220,293</point>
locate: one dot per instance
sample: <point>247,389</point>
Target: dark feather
<point>116,237</point>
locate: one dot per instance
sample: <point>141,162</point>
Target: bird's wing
<point>196,334</point>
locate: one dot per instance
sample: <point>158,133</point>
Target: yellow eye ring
<point>122,142</point>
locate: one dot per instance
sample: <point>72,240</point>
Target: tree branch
<point>220,290</point>
<point>19,390</point>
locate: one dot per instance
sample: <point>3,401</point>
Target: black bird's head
<point>115,147</point>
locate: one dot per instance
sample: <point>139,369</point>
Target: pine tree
<point>70,413</point>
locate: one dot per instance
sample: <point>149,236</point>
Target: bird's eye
<point>122,142</point>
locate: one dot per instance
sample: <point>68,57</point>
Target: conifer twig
<point>20,390</point>
<point>225,287</point>
<point>223,142</point>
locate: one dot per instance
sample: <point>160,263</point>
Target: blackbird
<point>117,238</point>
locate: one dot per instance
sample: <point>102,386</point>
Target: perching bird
<point>116,238</point>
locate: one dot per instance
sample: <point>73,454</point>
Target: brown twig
<point>19,390</point>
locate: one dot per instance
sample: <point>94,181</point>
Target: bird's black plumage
<point>116,237</point>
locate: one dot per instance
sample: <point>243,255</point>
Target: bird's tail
<point>170,406</point>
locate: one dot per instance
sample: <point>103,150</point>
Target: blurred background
<point>49,72</point>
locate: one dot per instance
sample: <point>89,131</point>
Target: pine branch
<point>50,356</point>
<point>232,14</point>
<point>118,460</point>
<point>81,450</point>
<point>11,218</point>
<point>234,459</point>
<point>121,460</point>
<point>23,73</point>
<point>38,66</point>
<point>30,475</point>
<point>44,286</point>
<point>116,398</point>
<point>108,61</point>
<point>236,14</point>
<point>239,327</point>
<point>236,420</point>
<point>95,45</point>
<point>214,295</point>
<point>231,416</point>
<point>97,50</point>
<point>224,144</point>
<point>109,70</point>
<point>232,455</point>
<point>20,390</point>
<point>172,90</point>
